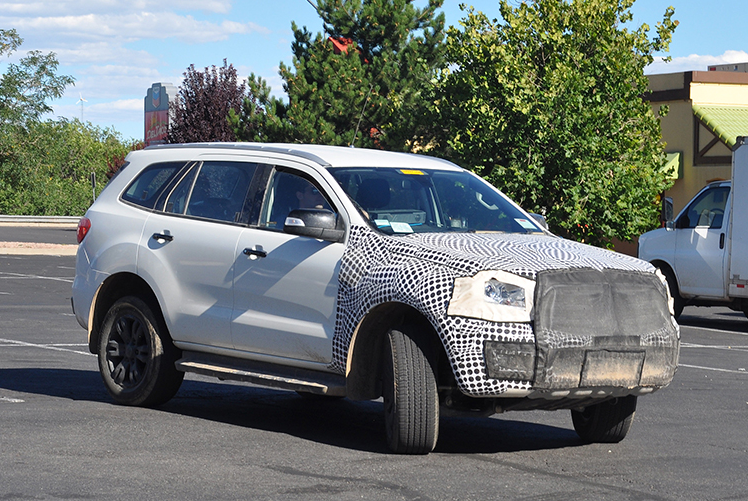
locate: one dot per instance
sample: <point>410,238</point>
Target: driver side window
<point>286,192</point>
<point>706,210</point>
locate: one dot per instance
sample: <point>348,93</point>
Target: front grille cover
<point>603,328</point>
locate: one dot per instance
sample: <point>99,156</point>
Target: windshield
<point>409,200</point>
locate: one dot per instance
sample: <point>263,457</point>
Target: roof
<point>327,156</point>
<point>727,122</point>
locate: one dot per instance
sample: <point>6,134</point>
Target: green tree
<point>262,117</point>
<point>547,105</point>
<point>45,167</point>
<point>26,87</point>
<point>359,83</point>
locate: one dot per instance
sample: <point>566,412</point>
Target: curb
<point>40,221</point>
<point>68,250</point>
<point>38,249</point>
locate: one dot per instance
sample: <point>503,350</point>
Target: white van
<point>704,251</point>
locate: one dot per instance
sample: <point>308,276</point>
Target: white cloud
<point>111,82</point>
<point>126,109</point>
<point>696,62</point>
<point>72,30</point>
<point>61,7</point>
<point>102,52</point>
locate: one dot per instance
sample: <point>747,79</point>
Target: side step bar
<point>262,373</point>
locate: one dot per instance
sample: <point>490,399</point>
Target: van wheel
<point>606,422</point>
<point>672,283</point>
<point>136,355</point>
<point>411,401</point>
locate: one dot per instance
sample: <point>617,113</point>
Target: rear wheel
<point>136,355</point>
<point>606,422</point>
<point>411,401</point>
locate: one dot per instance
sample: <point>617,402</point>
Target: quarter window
<point>149,184</point>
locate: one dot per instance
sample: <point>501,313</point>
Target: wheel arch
<point>663,265</point>
<point>112,289</point>
<point>667,268</point>
<point>364,362</point>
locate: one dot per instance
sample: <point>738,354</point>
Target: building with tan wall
<point>707,111</point>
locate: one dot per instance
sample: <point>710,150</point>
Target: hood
<point>520,254</point>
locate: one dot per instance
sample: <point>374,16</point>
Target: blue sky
<point>116,49</point>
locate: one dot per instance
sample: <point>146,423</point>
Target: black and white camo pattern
<point>419,270</point>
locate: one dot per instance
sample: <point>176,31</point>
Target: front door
<point>701,244</point>
<point>285,286</point>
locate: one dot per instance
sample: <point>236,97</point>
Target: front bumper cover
<point>593,329</point>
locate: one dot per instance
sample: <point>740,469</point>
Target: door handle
<point>254,252</point>
<point>162,236</point>
<point>721,240</point>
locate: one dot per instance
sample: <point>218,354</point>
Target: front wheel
<point>411,401</point>
<point>606,422</point>
<point>136,355</point>
<point>678,302</point>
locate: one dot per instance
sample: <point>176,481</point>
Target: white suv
<point>365,274</point>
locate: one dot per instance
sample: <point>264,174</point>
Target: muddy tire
<point>607,422</point>
<point>136,355</point>
<point>411,401</point>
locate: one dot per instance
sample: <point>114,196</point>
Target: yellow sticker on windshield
<point>412,172</point>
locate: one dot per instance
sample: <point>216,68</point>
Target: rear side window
<point>218,192</point>
<point>148,185</point>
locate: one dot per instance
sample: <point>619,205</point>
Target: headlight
<point>493,295</point>
<point>506,294</point>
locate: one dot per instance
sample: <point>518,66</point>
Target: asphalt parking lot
<point>62,438</point>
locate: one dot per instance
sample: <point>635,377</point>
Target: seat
<point>373,194</point>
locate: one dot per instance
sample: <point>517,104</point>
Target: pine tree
<point>359,83</point>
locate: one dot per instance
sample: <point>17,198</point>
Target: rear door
<point>189,246</point>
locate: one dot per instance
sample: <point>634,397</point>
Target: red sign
<point>156,127</point>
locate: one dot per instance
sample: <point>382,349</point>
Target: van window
<point>708,209</point>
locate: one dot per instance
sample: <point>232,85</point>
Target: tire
<point>606,422</point>
<point>136,355</point>
<point>672,283</point>
<point>411,400</point>
<point>318,396</point>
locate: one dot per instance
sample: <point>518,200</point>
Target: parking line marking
<point>11,400</point>
<point>712,369</point>
<point>45,347</point>
<point>715,347</point>
<point>22,276</point>
<point>721,331</point>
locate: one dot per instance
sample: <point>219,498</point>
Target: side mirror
<point>315,223</point>
<point>540,219</point>
<point>666,214</point>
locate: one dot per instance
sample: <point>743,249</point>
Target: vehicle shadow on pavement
<point>61,383</point>
<point>733,321</point>
<point>336,422</point>
<point>353,425</point>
